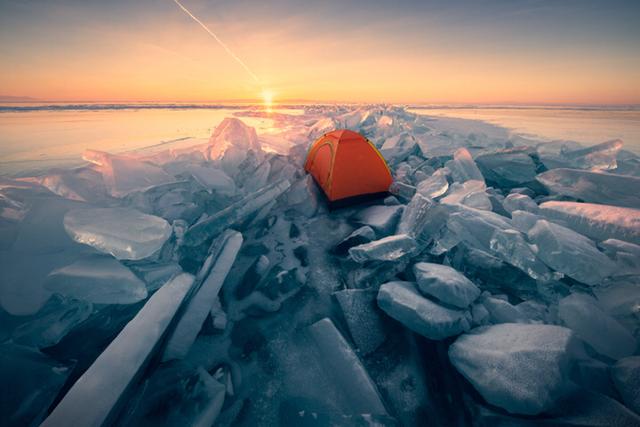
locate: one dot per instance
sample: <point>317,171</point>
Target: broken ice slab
<point>593,187</point>
<point>519,202</point>
<point>402,191</point>
<point>364,234</point>
<point>187,396</point>
<point>621,299</point>
<point>599,222</point>
<point>415,216</point>
<point>376,273</point>
<point>222,255</point>
<point>626,377</point>
<point>462,167</point>
<point>155,274</point>
<point>570,253</point>
<point>471,193</point>
<point>435,185</point>
<point>390,248</point>
<point>234,214</point>
<point>99,279</point>
<point>230,144</point>
<point>363,317</point>
<point>83,184</point>
<point>398,148</point>
<point>212,179</point>
<point>403,302</point>
<point>493,233</point>
<point>603,333</point>
<point>96,394</point>
<point>30,383</point>
<point>52,323</point>
<point>597,157</point>
<point>519,367</point>
<point>122,232</point>
<point>303,196</point>
<point>625,254</point>
<point>382,219</point>
<point>523,221</point>
<point>507,168</point>
<point>344,367</point>
<point>502,311</point>
<point>446,284</point>
<point>124,174</point>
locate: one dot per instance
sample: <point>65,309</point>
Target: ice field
<point>209,284</point>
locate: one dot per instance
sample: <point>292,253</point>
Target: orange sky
<point>165,56</point>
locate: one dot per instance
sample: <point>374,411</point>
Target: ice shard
<point>125,174</point>
<point>390,248</point>
<point>95,395</point>
<point>471,193</point>
<point>570,253</point>
<point>99,279</point>
<point>626,377</point>
<point>233,214</point>
<point>463,168</point>
<point>507,168</point>
<point>519,202</point>
<point>415,216</point>
<point>435,185</point>
<point>593,187</point>
<point>122,232</point>
<point>403,302</point>
<point>30,383</point>
<point>230,144</point>
<point>599,222</point>
<point>344,367</point>
<point>607,336</point>
<point>382,219</point>
<point>597,157</point>
<point>445,283</point>
<point>222,256</point>
<point>518,367</point>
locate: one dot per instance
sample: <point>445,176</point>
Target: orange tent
<point>345,164</point>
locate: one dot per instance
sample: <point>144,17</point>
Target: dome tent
<point>347,166</point>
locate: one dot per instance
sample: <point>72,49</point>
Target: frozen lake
<point>585,125</point>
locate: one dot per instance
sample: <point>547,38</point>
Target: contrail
<point>220,42</point>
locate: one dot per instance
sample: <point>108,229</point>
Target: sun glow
<point>267,99</point>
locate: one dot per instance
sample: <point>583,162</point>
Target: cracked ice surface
<point>500,279</point>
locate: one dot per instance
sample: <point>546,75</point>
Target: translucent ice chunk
<point>403,302</point>
<point>626,377</point>
<point>115,369</point>
<point>344,367</point>
<point>501,311</point>
<point>521,202</point>
<point>363,317</point>
<point>593,187</point>
<point>599,222</point>
<point>230,143</point>
<point>626,255</point>
<point>519,367</point>
<point>382,219</point>
<point>122,232</point>
<point>233,214</point>
<point>30,382</point>
<point>507,168</point>
<point>445,283</point>
<point>597,157</point>
<point>463,168</point>
<point>124,174</point>
<point>582,314</point>
<point>415,216</point>
<point>359,236</point>
<point>570,253</point>
<point>470,193</point>
<point>98,279</point>
<point>494,234</point>
<point>435,185</point>
<point>55,320</point>
<point>390,248</point>
<point>222,255</point>
<point>213,179</point>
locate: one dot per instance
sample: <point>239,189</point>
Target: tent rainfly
<point>346,165</point>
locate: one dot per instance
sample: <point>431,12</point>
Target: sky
<point>400,51</point>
